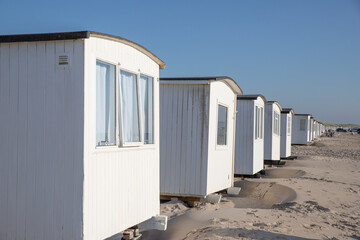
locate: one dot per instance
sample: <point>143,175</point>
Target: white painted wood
<point>285,138</point>
<point>249,152</point>
<point>299,136</point>
<point>55,183</point>
<point>117,179</point>
<point>191,163</point>
<point>271,139</point>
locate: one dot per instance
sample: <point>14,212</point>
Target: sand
<point>316,196</point>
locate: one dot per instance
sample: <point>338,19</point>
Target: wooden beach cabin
<point>79,129</point>
<point>285,135</point>
<point>272,132</point>
<point>249,140</point>
<point>311,129</point>
<point>197,118</point>
<point>300,129</point>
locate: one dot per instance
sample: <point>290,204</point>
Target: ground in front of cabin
<point>316,196</point>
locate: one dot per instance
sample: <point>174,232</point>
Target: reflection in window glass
<point>105,104</point>
<point>146,85</point>
<point>222,125</point>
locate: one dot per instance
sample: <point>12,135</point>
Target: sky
<point>304,54</point>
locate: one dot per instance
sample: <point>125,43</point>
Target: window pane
<point>105,104</point>
<point>130,107</point>
<point>256,122</point>
<point>222,125</point>
<point>146,85</point>
<point>289,125</point>
<point>302,124</point>
<point>261,122</point>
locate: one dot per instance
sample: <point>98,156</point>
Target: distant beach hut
<point>249,140</point>
<point>272,132</point>
<point>197,118</point>
<point>79,127</point>
<point>312,131</point>
<point>286,130</point>
<point>300,129</point>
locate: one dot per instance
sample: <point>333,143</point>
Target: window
<point>147,103</point>
<point>289,125</point>
<point>276,124</point>
<point>129,107</point>
<point>258,122</point>
<point>105,104</point>
<point>302,124</point>
<point>222,125</point>
<point>262,122</point>
<point>132,108</point>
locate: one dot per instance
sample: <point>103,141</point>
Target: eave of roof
<point>228,80</point>
<point>275,102</point>
<point>251,97</point>
<point>287,110</point>
<point>78,35</point>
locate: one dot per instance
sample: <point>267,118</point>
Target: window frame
<point>276,124</point>
<point>120,144</point>
<point>225,146</point>
<point>304,121</point>
<point>116,109</point>
<point>153,110</point>
<point>259,123</point>
<point>289,122</point>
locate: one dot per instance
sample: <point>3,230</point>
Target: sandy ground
<point>316,196</point>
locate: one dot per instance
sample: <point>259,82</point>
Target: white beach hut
<point>272,132</point>
<point>249,140</point>
<point>79,129</point>
<point>197,118</point>
<point>311,129</point>
<point>300,129</point>
<point>286,129</point>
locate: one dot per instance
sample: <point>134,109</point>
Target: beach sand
<point>316,196</point>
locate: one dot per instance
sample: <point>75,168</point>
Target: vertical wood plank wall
<point>285,145</point>
<point>41,129</point>
<point>259,143</point>
<point>220,159</point>
<point>121,185</point>
<point>244,137</point>
<point>184,119</point>
<point>298,136</point>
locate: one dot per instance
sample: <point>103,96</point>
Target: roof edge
<point>37,37</point>
<point>227,80</point>
<point>251,97</point>
<point>277,103</point>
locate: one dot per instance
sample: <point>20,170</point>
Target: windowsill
<point>103,149</point>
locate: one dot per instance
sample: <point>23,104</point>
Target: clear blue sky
<point>304,54</point>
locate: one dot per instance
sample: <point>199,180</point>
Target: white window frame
<point>276,125</point>
<point>259,112</point>
<point>289,122</point>
<point>153,103</point>
<point>118,106</point>
<point>222,147</point>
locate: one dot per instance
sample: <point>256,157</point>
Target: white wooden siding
<point>184,120</point>
<point>298,136</point>
<point>41,154</point>
<point>285,147</point>
<point>220,158</point>
<point>271,140</point>
<point>249,153</point>
<point>121,185</point>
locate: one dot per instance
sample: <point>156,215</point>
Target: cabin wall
<point>259,143</point>
<point>285,148</point>
<point>220,158</point>
<point>244,137</point>
<point>41,144</point>
<point>275,153</point>
<point>121,184</point>
<point>299,136</point>
<point>268,131</point>
<point>184,120</point>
